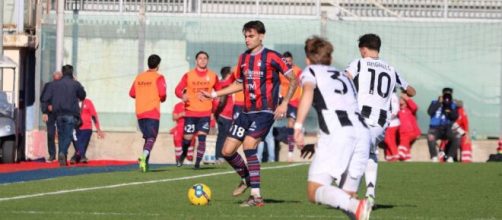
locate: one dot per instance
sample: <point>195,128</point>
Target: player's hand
<point>280,111</point>
<point>49,108</point>
<point>299,138</point>
<point>101,134</point>
<point>45,117</point>
<point>308,151</point>
<point>204,95</point>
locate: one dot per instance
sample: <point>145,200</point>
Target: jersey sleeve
<point>181,87</point>
<point>132,91</point>
<point>280,65</point>
<point>308,76</point>
<point>354,68</point>
<point>400,81</point>
<point>94,114</point>
<point>237,74</point>
<point>161,86</point>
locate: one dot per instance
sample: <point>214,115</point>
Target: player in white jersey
<point>374,80</point>
<point>344,142</point>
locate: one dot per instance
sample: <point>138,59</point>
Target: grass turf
<point>405,191</point>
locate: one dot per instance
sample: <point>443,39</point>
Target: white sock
<point>336,198</point>
<point>371,177</point>
<point>255,192</point>
<point>146,153</point>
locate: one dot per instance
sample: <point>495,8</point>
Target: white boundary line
<point>135,183</point>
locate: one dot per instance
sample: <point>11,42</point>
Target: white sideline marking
<point>135,183</point>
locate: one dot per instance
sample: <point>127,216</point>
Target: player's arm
<point>95,119</point>
<point>161,87</point>
<point>232,88</point>
<point>180,88</point>
<point>132,91</point>
<point>303,109</point>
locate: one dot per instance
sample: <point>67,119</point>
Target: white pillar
<point>59,34</point>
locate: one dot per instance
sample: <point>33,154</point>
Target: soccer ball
<point>199,194</point>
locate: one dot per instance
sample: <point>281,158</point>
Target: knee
<point>226,152</point>
<point>311,191</point>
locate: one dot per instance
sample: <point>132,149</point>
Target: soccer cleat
<point>253,201</point>
<point>371,201</point>
<point>196,166</point>
<point>143,165</point>
<point>363,210</point>
<point>241,188</point>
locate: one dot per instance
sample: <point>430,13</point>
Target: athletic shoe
<point>50,159</point>
<point>74,159</point>
<point>179,163</point>
<point>363,210</point>
<point>84,160</point>
<point>449,160</point>
<point>434,159</point>
<point>253,201</point>
<point>371,201</point>
<point>241,188</point>
<point>196,166</point>
<point>143,165</point>
<point>62,160</point>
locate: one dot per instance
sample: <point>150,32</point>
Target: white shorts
<point>342,154</point>
<point>377,136</point>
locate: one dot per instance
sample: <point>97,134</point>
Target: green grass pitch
<point>405,191</point>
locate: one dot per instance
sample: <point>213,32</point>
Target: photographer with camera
<point>443,113</point>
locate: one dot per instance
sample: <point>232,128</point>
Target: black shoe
<point>62,160</point>
<point>196,166</point>
<point>84,160</point>
<point>51,159</point>
<point>74,160</point>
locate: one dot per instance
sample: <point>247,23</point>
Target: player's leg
<point>370,175</point>
<point>262,124</point>
<point>466,149</point>
<point>329,164</point>
<point>177,141</point>
<point>202,128</point>
<point>291,115</point>
<point>150,129</point>
<point>188,132</point>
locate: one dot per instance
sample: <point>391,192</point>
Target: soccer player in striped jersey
<point>375,80</point>
<point>257,74</point>
<point>344,141</point>
<point>149,90</point>
<point>198,112</point>
<point>293,103</point>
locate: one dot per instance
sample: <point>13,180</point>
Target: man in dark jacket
<point>64,95</point>
<point>443,113</point>
<point>49,118</point>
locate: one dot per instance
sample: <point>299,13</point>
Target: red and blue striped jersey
<point>259,74</point>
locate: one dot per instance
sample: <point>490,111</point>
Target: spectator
<point>50,118</point>
<point>443,113</point>
<point>408,130</point>
<point>391,132</point>
<point>64,96</point>
<point>223,113</point>
<point>84,132</point>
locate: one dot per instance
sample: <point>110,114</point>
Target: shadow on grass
<point>275,201</point>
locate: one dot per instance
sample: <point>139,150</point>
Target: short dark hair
<point>318,50</point>
<point>370,41</point>
<point>447,90</point>
<point>201,52</point>
<point>287,54</point>
<point>257,25</point>
<point>67,70</point>
<point>224,71</point>
<point>153,61</point>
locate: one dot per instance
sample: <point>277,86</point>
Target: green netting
<point>107,55</point>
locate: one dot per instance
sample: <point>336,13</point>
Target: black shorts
<point>195,124</point>
<point>149,127</point>
<point>255,125</point>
